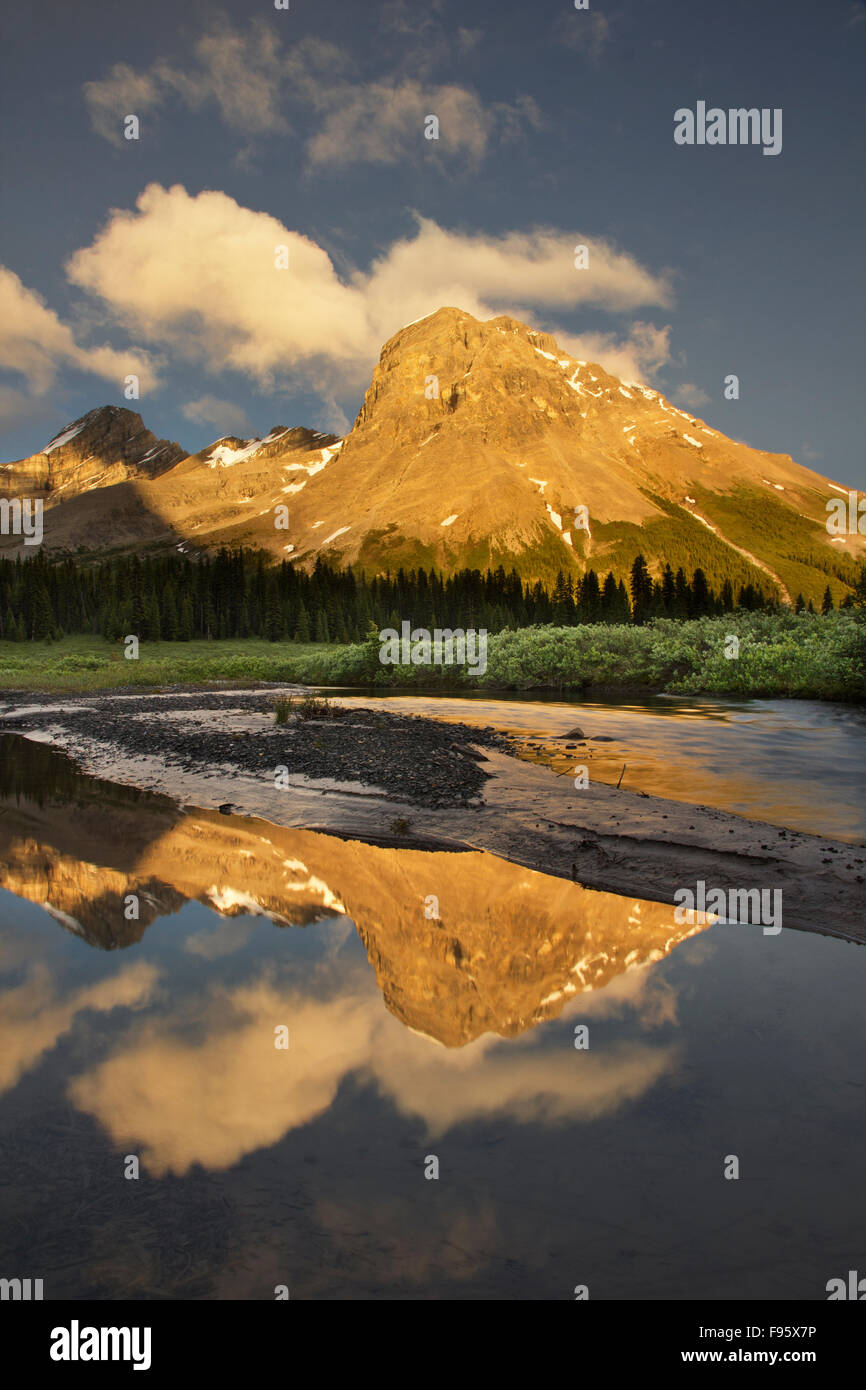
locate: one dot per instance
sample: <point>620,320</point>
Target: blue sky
<point>305,128</point>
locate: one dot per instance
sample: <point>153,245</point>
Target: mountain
<point>521,435</point>
<point>104,447</point>
<point>222,495</point>
<point>477,444</point>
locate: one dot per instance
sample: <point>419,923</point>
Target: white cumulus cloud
<point>202,276</point>
<point>36,344</point>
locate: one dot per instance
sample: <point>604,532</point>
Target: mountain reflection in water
<point>305,1166</point>
<point>461,943</point>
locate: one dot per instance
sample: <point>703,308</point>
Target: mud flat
<point>424,783</point>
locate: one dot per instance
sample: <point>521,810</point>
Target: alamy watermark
<point>846,515</point>
<point>19,516</point>
<point>761,906</point>
<point>20,1290</point>
<point>77,1343</point>
<point>854,1288</point>
<point>441,647</point>
<point>736,126</point>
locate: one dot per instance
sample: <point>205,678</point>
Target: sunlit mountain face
<point>479,443</point>
<point>294,1026</point>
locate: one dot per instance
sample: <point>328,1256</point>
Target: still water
<point>797,763</point>
<point>430,1003</point>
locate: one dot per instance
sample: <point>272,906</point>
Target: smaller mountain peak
<point>100,420</point>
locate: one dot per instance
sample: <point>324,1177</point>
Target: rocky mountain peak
<point>107,445</point>
<point>501,369</point>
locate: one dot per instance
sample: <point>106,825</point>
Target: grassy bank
<point>92,663</point>
<point>787,654</point>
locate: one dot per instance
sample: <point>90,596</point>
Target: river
<point>796,763</point>
<point>493,1083</point>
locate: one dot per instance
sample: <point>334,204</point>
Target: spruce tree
<point>701,603</point>
<point>623,605</point>
<point>187,625</point>
<point>210,620</point>
<point>669,592</point>
<point>610,599</point>
<point>42,625</point>
<point>562,601</point>
<point>276,623</point>
<point>302,624</point>
<point>151,609</point>
<point>169,621</point>
<point>139,612</point>
<point>641,590</point>
<point>590,598</point>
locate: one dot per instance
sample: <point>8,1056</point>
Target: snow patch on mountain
<point>60,439</point>
<point>224,457</point>
<point>221,456</point>
<point>644,390</point>
<point>334,534</point>
<point>311,469</point>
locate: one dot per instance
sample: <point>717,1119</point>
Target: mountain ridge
<point>477,444</point>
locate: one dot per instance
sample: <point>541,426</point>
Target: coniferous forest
<point>238,594</point>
